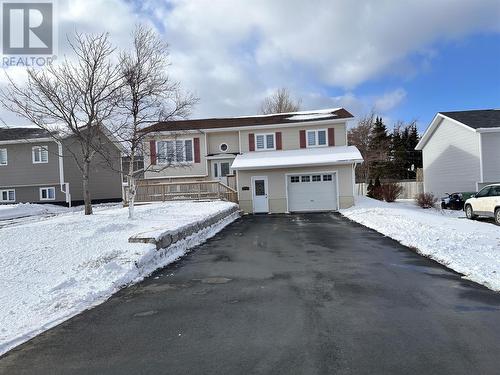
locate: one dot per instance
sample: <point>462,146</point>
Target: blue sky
<point>405,59</point>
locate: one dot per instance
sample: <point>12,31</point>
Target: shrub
<point>391,191</point>
<point>425,200</point>
<point>369,192</point>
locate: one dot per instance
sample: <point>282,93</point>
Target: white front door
<point>259,194</point>
<point>220,170</point>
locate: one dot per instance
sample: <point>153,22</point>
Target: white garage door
<point>312,192</point>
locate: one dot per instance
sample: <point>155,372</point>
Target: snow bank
<point>471,248</point>
<point>14,211</point>
<point>53,269</point>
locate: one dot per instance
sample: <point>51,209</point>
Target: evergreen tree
<point>380,142</point>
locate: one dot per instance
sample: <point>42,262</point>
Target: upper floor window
<point>3,156</point>
<point>265,142</point>
<point>7,195</point>
<point>176,151</point>
<point>40,155</point>
<point>316,138</point>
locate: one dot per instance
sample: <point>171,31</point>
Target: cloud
<point>231,53</point>
<point>389,100</point>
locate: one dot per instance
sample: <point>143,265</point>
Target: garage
<point>312,192</point>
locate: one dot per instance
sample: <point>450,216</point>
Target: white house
<point>461,151</point>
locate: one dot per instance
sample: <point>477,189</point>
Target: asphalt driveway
<point>298,294</point>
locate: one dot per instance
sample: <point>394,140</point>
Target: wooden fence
<point>148,191</point>
<point>410,189</point>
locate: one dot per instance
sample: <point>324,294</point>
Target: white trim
<point>175,151</point>
<point>41,148</point>
<point>239,141</point>
<point>28,185</point>
<point>488,130</point>
<point>6,157</point>
<point>346,162</point>
<point>316,145</point>
<point>265,142</point>
<point>481,166</point>
<point>311,173</point>
<point>47,189</point>
<point>252,180</point>
<point>221,156</point>
<point>31,140</point>
<point>7,200</point>
<point>270,126</point>
<point>432,127</point>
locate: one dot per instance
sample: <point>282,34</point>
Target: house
<point>280,162</point>
<point>461,151</point>
<point>34,167</point>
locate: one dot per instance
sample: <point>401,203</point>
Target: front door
<point>220,170</point>
<point>259,194</point>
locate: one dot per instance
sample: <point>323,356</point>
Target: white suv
<point>484,203</point>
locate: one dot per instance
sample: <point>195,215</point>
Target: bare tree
<point>78,96</point>
<point>148,95</point>
<point>360,136</point>
<point>280,102</point>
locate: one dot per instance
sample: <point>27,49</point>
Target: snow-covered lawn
<point>471,248</point>
<point>55,268</point>
<point>14,211</point>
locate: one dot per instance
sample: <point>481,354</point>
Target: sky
<point>404,60</point>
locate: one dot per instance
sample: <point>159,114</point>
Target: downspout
<point>63,186</point>
<point>481,172</point>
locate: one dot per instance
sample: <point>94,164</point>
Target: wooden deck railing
<point>148,191</point>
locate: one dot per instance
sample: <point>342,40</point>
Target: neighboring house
<point>36,168</point>
<point>461,151</point>
<point>283,162</point>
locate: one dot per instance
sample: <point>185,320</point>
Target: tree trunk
<point>86,192</point>
<point>131,188</point>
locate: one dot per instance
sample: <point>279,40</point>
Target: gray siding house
<point>461,151</point>
<point>36,168</point>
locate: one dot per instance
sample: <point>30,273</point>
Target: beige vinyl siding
<point>277,186</point>
<point>183,170</point>
<point>451,159</point>
<point>214,141</point>
<point>490,148</point>
<point>291,137</point>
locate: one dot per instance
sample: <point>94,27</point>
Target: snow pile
<point>53,269</point>
<point>14,211</point>
<point>471,248</point>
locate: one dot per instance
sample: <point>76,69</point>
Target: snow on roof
<point>297,158</point>
<point>325,111</point>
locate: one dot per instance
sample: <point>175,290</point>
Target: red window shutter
<point>302,134</point>
<point>152,151</point>
<point>251,142</point>
<point>279,145</point>
<point>331,137</point>
<point>196,145</point>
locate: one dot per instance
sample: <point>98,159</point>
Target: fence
<point>148,191</point>
<point>410,189</point>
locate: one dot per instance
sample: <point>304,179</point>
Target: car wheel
<point>469,213</point>
<point>497,216</point>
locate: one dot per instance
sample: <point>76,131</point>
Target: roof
<point>14,134</point>
<point>243,121</point>
<point>297,158</point>
<point>482,120</point>
<point>476,119</point>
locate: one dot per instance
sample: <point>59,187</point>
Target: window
<point>7,195</point>
<point>47,194</point>
<point>484,192</point>
<point>264,142</point>
<point>40,155</point>
<point>178,151</point>
<point>3,156</point>
<point>223,147</point>
<point>295,179</point>
<point>316,138</point>
<point>327,177</point>
<point>221,169</point>
<point>316,178</point>
<point>495,191</point>
<point>305,178</point>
